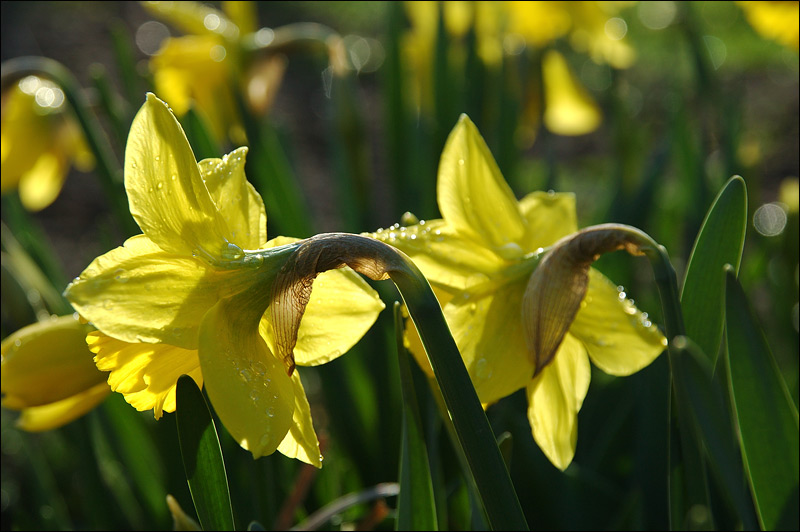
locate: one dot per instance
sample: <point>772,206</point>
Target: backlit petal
<point>40,185</point>
<point>554,398</point>
<point>46,362</point>
<point>445,257</point>
<point>236,199</point>
<point>247,384</point>
<point>146,374</point>
<point>569,109</point>
<point>166,195</point>
<point>551,216</point>
<point>138,292</point>
<point>54,415</point>
<point>487,328</point>
<point>473,197</point>
<point>301,440</point>
<point>618,336</point>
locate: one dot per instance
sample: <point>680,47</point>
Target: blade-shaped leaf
<point>202,458</point>
<point>719,242</point>
<point>767,417</point>
<point>416,509</point>
<point>702,397</point>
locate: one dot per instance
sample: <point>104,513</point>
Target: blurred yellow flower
<point>40,142</point>
<point>186,298</point>
<point>481,258</point>
<point>508,28</point>
<point>779,21</point>
<point>206,66</point>
<point>48,374</point>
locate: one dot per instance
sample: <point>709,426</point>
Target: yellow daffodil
<point>202,68</point>
<point>48,374</point>
<point>191,295</point>
<point>481,259</point>
<point>774,20</point>
<point>40,142</point>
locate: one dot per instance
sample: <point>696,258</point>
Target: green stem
<point>109,168</point>
<point>474,432</point>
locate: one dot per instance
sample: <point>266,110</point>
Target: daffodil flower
<point>191,295</point>
<point>481,259</point>
<point>201,68</point>
<point>774,20</point>
<point>40,142</point>
<point>48,374</point>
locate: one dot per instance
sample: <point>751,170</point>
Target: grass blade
<point>202,458</point>
<point>767,417</point>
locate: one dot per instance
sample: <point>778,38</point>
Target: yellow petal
<point>301,440</point>
<point>488,330</point>
<point>54,415</point>
<point>554,398</point>
<point>166,195</point>
<point>247,384</point>
<point>137,292</point>
<point>569,109</point>
<point>445,257</point>
<point>550,216</point>
<point>145,374</point>
<point>46,362</point>
<point>40,185</point>
<point>24,137</point>
<point>193,17</point>
<point>619,338</point>
<point>236,199</point>
<point>474,199</point>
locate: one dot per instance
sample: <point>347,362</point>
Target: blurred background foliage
<point>643,110</point>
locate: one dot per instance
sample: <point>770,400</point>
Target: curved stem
<point>377,260</point>
<point>110,171</point>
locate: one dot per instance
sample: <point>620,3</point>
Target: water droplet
<point>245,374</point>
<point>264,439</point>
<point>174,177</point>
<point>232,252</point>
<point>158,158</point>
<point>461,162</point>
<point>17,343</point>
<point>473,307</point>
<point>622,296</point>
<point>107,304</point>
<point>160,186</point>
<point>119,275</point>
<point>270,411</point>
<point>259,368</point>
<point>254,395</point>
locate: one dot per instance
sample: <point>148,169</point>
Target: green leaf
<point>703,399</point>
<point>416,509</point>
<point>767,417</point>
<point>202,458</point>
<point>719,242</point>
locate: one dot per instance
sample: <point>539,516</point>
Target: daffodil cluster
<point>191,295</point>
<point>509,28</point>
<point>523,315</point>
